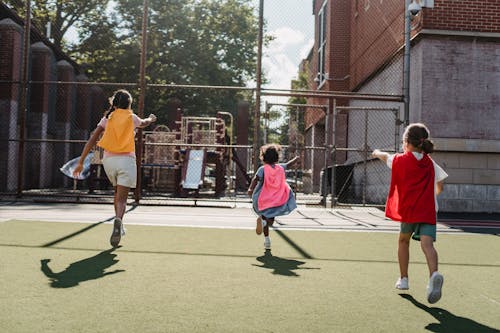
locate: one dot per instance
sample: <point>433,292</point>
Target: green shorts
<point>418,229</point>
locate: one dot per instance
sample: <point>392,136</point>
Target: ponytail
<point>110,110</point>
<point>121,100</point>
<point>418,136</point>
<point>427,146</point>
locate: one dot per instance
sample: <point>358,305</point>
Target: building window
<point>321,77</point>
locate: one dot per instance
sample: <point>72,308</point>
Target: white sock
<point>267,238</point>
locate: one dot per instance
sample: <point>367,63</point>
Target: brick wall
<point>377,31</point>
<point>477,15</point>
<point>457,87</point>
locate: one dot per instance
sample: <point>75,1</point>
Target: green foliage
<point>62,15</point>
<point>190,42</point>
<point>291,128</point>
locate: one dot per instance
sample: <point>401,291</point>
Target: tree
<point>62,15</point>
<point>190,42</point>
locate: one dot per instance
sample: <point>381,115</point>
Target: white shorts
<point>121,170</point>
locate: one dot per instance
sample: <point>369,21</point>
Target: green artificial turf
<point>64,277</point>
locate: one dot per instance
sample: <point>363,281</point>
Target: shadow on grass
<point>87,228</point>
<point>280,266</point>
<point>87,269</point>
<point>448,322</point>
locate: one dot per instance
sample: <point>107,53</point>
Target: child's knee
<point>404,239</point>
<point>426,243</point>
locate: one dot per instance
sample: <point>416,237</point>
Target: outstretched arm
<point>294,160</point>
<point>147,121</point>
<point>88,146</point>
<point>380,155</point>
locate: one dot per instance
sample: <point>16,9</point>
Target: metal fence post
<point>406,65</point>
<point>332,109</point>
<point>140,111</point>
<point>23,98</point>
<point>256,129</point>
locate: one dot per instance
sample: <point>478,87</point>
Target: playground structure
<point>188,159</point>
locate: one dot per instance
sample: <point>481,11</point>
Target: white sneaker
<point>402,283</point>
<point>267,243</point>
<point>434,287</point>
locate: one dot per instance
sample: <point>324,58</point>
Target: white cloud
<point>284,38</point>
<point>283,55</point>
<point>306,48</point>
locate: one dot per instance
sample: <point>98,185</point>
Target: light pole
<point>412,8</point>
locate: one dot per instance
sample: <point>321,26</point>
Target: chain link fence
<point>194,74</point>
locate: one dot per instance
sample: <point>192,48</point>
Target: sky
<point>292,24</point>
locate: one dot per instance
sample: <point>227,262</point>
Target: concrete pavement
<point>239,216</point>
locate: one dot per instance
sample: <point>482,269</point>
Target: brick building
<point>55,113</point>
<point>454,84</point>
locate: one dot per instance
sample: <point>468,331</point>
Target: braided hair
<point>121,100</point>
<point>418,136</point>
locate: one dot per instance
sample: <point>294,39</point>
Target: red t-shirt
<point>411,195</point>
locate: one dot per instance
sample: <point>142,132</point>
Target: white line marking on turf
<point>490,299</point>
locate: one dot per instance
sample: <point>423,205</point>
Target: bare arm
<point>439,187</point>
<point>147,121</point>
<point>88,147</point>
<point>294,160</point>
<point>380,155</point>
<point>252,185</point>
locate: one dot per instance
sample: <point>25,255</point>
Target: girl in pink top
<point>271,195</point>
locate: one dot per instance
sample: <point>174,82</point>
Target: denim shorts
<point>418,229</point>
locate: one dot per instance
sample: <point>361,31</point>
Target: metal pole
<point>332,109</point>
<point>406,65</point>
<point>266,121</point>
<point>140,111</point>
<point>324,180</point>
<point>258,92</point>
<point>365,159</point>
<point>23,98</point>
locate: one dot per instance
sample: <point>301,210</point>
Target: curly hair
<point>270,153</point>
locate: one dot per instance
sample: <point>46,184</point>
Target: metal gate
<point>356,178</point>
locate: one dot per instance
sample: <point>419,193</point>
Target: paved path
<point>240,216</point>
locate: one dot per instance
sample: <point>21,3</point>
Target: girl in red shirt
<point>416,180</point>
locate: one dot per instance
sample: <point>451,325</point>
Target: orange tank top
<point>119,134</point>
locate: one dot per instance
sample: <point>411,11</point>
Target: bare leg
<point>404,253</point>
<point>427,245</point>
<point>120,200</point>
<point>269,223</point>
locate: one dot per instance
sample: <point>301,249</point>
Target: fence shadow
<point>87,269</point>
<point>448,322</point>
<point>280,266</point>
